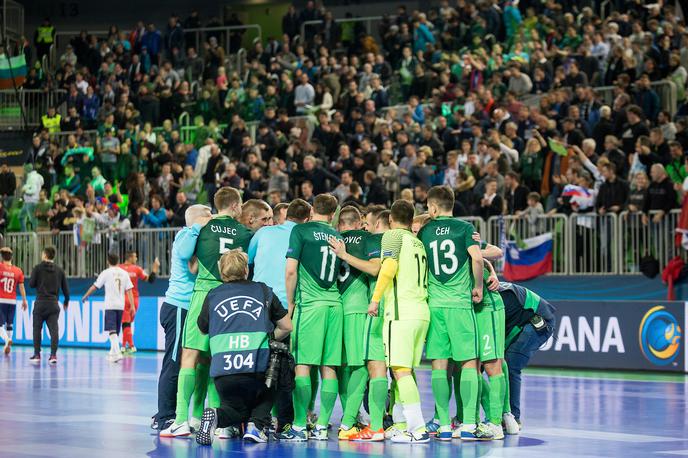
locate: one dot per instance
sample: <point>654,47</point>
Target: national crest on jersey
<point>220,235</point>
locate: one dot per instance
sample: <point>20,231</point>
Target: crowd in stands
<point>493,98</point>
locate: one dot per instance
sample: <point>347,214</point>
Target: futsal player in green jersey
<point>316,307</point>
<point>456,266</point>
<point>221,234</point>
<point>353,287</point>
<point>373,347</point>
<point>403,281</point>
<point>490,317</point>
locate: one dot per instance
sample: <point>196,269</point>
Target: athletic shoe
<point>206,432</point>
<point>289,434</point>
<point>368,435</point>
<point>132,349</point>
<point>363,417</point>
<point>320,433</point>
<point>8,346</point>
<point>418,437</point>
<point>52,359</point>
<point>345,434</point>
<point>35,359</point>
<point>194,424</point>
<point>387,421</point>
<point>444,434</point>
<point>176,430</point>
<point>230,432</point>
<point>311,418</point>
<point>511,426</point>
<point>395,430</point>
<point>154,423</point>
<point>496,430</point>
<point>253,434</point>
<point>432,426</point>
<point>115,357</point>
<point>479,433</point>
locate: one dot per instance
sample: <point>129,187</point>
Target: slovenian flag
<point>528,258</point>
<point>11,69</point>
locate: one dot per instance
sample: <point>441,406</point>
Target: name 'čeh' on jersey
<point>446,242</point>
<point>319,266</point>
<point>406,298</point>
<point>221,234</point>
<point>116,282</point>
<point>353,284</point>
<point>10,277</point>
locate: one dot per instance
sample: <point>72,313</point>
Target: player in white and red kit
<point>136,273</point>
<point>11,279</point>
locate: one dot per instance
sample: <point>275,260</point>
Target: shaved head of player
<point>256,214</point>
<point>349,219</point>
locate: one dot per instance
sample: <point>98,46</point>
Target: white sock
<point>9,333</point>
<point>398,413</point>
<point>3,334</point>
<point>114,344</point>
<point>414,417</point>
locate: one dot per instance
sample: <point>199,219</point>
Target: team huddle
<point>366,296</point>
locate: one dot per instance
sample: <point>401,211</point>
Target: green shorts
<point>453,334</point>
<point>317,337</point>
<point>490,332</point>
<point>372,339</point>
<point>404,341</point>
<point>354,344</point>
<point>193,337</point>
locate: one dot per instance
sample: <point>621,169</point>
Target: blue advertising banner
<point>82,325</point>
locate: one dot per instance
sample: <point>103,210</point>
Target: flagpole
<point>9,63</point>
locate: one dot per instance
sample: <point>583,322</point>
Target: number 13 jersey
<point>221,234</point>
<point>406,297</point>
<point>318,265</point>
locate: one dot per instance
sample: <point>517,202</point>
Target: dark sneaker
<point>206,433</point>
<point>52,359</point>
<point>35,359</point>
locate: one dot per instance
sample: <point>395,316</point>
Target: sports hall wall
<point>618,322</point>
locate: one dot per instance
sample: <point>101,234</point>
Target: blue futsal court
<point>86,407</point>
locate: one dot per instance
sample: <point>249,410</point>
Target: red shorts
<point>126,316</point>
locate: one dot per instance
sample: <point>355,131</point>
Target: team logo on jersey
<point>660,336</point>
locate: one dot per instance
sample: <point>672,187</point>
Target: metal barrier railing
<point>368,21</point>
<point>666,90</point>
<point>61,138</point>
<point>641,236</point>
<point>89,259</point>
<point>35,103</point>
<point>478,223</point>
<point>593,247</point>
<point>12,20</point>
<point>516,227</point>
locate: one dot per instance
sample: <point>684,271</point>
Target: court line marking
<point>603,378</point>
<point>600,435</point>
<point>674,452</point>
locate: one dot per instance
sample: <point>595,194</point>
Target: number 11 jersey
<point>221,234</point>
<point>318,265</point>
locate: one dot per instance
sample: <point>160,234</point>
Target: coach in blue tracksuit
<point>530,321</point>
<point>174,309</point>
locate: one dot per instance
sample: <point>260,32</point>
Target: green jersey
<point>220,235</point>
<point>406,298</point>
<point>446,242</point>
<point>318,265</point>
<point>491,299</point>
<point>352,283</point>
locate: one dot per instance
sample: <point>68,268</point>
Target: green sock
<point>200,390</point>
<point>328,396</point>
<point>185,388</point>
<point>485,396</point>
<point>315,381</point>
<point>469,394</point>
<point>496,398</point>
<point>213,396</point>
<point>355,392</point>
<point>302,396</point>
<point>456,377</point>
<point>377,397</point>
<point>393,396</point>
<point>507,394</point>
<point>440,390</point>
<point>343,377</point>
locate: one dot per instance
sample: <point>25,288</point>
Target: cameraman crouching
<point>240,316</point>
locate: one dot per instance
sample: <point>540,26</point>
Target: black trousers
<point>172,320</point>
<point>284,403</point>
<point>243,398</point>
<point>45,312</point>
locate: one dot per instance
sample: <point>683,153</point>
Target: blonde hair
<point>233,265</point>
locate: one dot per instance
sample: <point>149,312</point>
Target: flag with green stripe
<point>12,71</point>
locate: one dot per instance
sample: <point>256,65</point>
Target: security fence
<point>35,103</point>
<point>582,244</point>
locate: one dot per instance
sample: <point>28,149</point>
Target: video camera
<point>279,354</point>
